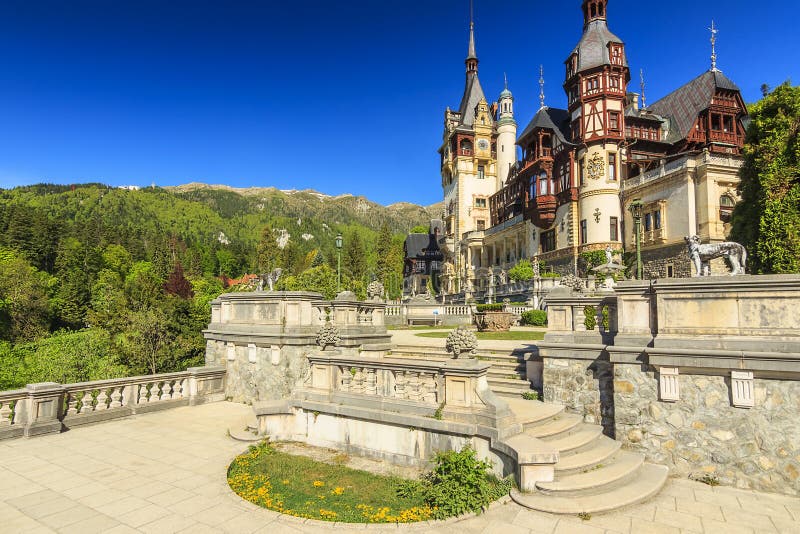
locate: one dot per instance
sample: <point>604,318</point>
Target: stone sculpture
<point>701,255</point>
<point>503,276</point>
<point>461,341</point>
<point>328,336</point>
<point>375,290</point>
<point>270,279</point>
<point>536,269</point>
<point>573,282</point>
<point>609,255</point>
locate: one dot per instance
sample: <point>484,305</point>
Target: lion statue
<point>701,255</point>
<point>269,279</point>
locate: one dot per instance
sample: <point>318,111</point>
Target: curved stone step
<point>509,392</point>
<point>240,434</point>
<point>560,423</point>
<point>581,436</point>
<point>603,449</point>
<point>530,413</point>
<point>648,480</point>
<point>621,466</point>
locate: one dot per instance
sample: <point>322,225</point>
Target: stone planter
<point>494,321</point>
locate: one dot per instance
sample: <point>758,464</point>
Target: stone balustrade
<point>50,407</point>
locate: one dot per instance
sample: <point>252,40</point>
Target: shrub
<point>535,317</point>
<point>531,395</point>
<point>458,484</point>
<point>489,307</point>
<point>590,317</point>
<point>551,274</point>
<point>521,272</point>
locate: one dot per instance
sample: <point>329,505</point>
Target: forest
<point>99,282</point>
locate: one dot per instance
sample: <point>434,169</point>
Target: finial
<point>714,31</point>
<point>641,79</point>
<point>505,81</point>
<point>541,86</point>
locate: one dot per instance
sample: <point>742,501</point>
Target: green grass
<point>415,327</point>
<point>303,487</point>
<point>497,336</point>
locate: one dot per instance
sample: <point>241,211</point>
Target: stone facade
<point>701,374</point>
<point>583,387</point>
<point>656,263</point>
<point>702,434</point>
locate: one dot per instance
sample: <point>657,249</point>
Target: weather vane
<point>541,85</point>
<point>714,31</point>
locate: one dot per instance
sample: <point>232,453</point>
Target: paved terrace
<point>165,472</point>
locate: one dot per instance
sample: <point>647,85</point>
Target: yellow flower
<point>318,483</point>
<point>338,490</point>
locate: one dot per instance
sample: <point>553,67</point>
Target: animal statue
<point>701,255</point>
<point>270,279</point>
<point>375,290</point>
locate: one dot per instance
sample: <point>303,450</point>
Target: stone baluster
<point>72,404</point>
<point>116,397</point>
<point>154,392</point>
<point>428,388</point>
<point>372,382</point>
<point>413,390</point>
<point>166,390</point>
<point>143,393</point>
<point>86,403</point>
<point>347,378</point>
<point>102,400</point>
<point>400,384</point>
<point>5,414</point>
<point>358,381</point>
<point>177,389</point>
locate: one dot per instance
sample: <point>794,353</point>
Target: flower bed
<point>302,487</point>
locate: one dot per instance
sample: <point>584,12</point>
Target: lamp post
<point>339,263</point>
<point>636,211</point>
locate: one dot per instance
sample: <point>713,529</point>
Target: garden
<point>300,486</point>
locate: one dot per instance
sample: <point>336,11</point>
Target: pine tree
<point>354,261</point>
<point>767,220</point>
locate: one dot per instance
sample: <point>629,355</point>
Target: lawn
<point>303,487</point>
<point>528,335</point>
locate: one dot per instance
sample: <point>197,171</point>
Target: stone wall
<point>702,434</point>
<point>584,387</point>
<point>262,372</point>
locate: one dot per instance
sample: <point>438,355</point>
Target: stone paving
<point>165,472</point>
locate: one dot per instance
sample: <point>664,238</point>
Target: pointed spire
<point>472,57</point>
<point>641,80</point>
<point>505,81</point>
<point>541,87</point>
<point>714,31</point>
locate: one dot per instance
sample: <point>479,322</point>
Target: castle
<point>580,168</point>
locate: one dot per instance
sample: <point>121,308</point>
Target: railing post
<point>43,408</point>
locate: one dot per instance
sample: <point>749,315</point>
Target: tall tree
<point>268,254</point>
<point>354,261</point>
<point>767,220</point>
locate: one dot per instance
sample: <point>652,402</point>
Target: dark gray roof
<point>683,105</point>
<point>592,49</point>
<point>553,119</point>
<point>417,244</point>
<point>473,93</point>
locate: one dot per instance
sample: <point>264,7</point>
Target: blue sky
<point>342,97</point>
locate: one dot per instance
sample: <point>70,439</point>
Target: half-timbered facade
<point>580,167</point>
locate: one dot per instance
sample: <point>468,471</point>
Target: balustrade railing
<point>44,408</point>
<point>394,379</point>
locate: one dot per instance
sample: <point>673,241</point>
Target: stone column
<point>43,408</point>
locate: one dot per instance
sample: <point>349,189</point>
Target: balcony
<point>542,210</point>
<point>724,137</point>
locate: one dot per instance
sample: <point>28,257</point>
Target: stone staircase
<point>593,473</point>
<point>506,376</point>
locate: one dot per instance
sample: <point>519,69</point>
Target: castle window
<point>480,224</point>
<point>466,147</point>
<point>612,167</point>
<point>548,240</point>
<point>657,219</point>
<point>481,172</point>
<point>584,232</point>
<point>725,201</point>
<point>613,120</point>
<point>581,173</point>
<point>648,222</point>
<point>614,233</point>
<point>480,202</point>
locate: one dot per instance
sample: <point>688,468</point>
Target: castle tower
<point>469,170</point>
<point>506,136</point>
<point>597,77</point>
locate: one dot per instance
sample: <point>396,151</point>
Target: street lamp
<point>636,211</point>
<point>339,266</point>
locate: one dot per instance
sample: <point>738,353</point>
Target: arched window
<point>725,201</point>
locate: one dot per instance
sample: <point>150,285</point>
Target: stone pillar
<point>43,408</point>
